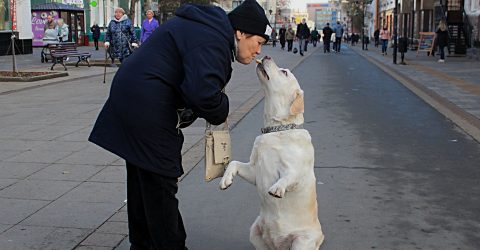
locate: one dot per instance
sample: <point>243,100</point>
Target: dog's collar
<point>281,128</point>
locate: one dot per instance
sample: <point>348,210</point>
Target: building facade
<point>323,13</point>
<point>15,15</point>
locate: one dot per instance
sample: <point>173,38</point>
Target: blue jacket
<point>120,33</point>
<point>338,30</point>
<point>186,62</point>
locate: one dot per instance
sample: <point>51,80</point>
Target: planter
<point>9,76</point>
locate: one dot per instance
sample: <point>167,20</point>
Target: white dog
<point>282,167</point>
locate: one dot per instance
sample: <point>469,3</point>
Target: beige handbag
<point>218,151</point>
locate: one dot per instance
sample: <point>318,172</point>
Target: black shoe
<point>301,53</point>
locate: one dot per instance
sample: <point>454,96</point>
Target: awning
<point>56,6</point>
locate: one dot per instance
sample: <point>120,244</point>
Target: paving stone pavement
<point>455,84</point>
<point>57,191</point>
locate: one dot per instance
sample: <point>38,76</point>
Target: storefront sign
<point>426,42</point>
<point>39,18</point>
<point>78,3</point>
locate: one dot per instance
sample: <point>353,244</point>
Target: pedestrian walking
<point>338,36</point>
<point>50,34</point>
<point>384,37</point>
<point>62,29</point>
<point>141,122</point>
<point>314,37</point>
<point>281,33</point>
<point>327,35</point>
<point>442,39</point>
<point>376,36</point>
<point>303,34</point>
<point>290,35</point>
<point>148,26</point>
<point>274,38</point>
<point>120,36</point>
<point>95,29</point>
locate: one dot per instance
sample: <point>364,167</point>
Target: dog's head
<point>284,102</point>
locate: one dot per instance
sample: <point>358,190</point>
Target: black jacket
<point>186,62</point>
<point>303,32</point>
<point>282,33</point>
<point>327,33</point>
<point>442,37</point>
<point>95,31</point>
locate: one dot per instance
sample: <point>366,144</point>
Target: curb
<point>196,153</point>
<point>466,121</point>
<point>52,83</point>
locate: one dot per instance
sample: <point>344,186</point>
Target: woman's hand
<point>106,44</point>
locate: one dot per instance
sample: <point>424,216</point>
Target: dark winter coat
<point>303,32</point>
<point>314,35</point>
<point>95,31</point>
<point>281,33</point>
<point>327,33</point>
<point>169,71</point>
<point>120,34</point>
<point>442,38</point>
<point>376,35</point>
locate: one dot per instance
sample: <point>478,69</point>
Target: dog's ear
<point>298,105</point>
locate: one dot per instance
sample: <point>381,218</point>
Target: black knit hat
<point>249,17</point>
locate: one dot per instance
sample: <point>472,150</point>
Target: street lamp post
<point>363,24</point>
<point>395,24</point>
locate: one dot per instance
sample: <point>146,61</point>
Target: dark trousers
<point>282,43</point>
<point>442,52</point>
<point>290,45</point>
<point>274,43</point>
<point>314,42</point>
<point>338,43</point>
<point>95,41</point>
<point>384,45</point>
<point>154,221</point>
<point>326,45</point>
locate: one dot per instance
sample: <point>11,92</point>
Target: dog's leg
<point>288,180</point>
<point>244,170</point>
<point>256,236</point>
<point>310,241</point>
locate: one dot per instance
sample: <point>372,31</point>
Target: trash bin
<point>402,45</point>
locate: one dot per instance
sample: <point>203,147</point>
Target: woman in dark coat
<point>442,39</point>
<point>95,34</point>
<point>120,36</point>
<point>169,72</point>
<point>281,34</point>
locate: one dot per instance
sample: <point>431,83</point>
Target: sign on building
<point>78,3</point>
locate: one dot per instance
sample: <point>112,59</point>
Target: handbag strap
<point>208,126</point>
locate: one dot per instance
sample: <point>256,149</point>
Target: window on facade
<point>4,16</point>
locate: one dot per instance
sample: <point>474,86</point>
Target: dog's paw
<point>227,178</point>
<point>277,190</point>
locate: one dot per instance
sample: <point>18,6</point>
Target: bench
<point>60,52</point>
